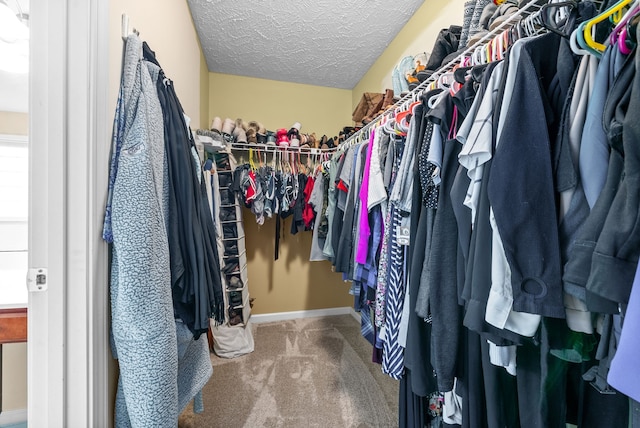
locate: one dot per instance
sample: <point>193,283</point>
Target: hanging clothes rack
<point>528,17</point>
<point>280,149</point>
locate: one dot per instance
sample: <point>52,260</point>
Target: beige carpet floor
<point>314,372</point>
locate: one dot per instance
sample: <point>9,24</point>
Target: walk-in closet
<point>413,214</point>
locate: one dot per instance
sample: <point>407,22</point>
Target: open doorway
<point>14,209</point>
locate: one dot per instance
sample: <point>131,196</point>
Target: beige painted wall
<point>14,123</point>
<point>167,27</point>
<point>280,104</point>
<point>418,35</point>
<point>14,376</point>
<point>14,358</point>
<point>291,283</point>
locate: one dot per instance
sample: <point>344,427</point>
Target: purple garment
<point>367,273</point>
<point>624,374</point>
<point>365,231</point>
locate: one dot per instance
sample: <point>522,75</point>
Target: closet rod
<point>302,150</point>
<point>527,10</point>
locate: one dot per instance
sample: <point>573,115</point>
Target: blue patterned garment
<point>393,353</point>
<point>161,366</point>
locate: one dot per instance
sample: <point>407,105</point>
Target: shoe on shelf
<point>231,266</point>
<point>281,138</point>
<point>234,282</point>
<point>227,130</point>
<point>261,134</point>
<point>240,132</point>
<point>235,316</point>
<point>252,130</point>
<point>304,140</point>
<point>294,135</point>
<point>271,138</point>
<point>235,298</point>
<point>323,142</point>
<point>313,142</point>
<point>216,124</point>
<point>413,81</point>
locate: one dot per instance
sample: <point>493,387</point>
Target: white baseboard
<point>13,416</point>
<point>284,316</point>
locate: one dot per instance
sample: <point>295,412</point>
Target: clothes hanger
<point>406,109</point>
<point>630,38</point>
<point>588,25</point>
<point>549,12</point>
<point>445,80</point>
<point>497,48</point>
<point>261,163</point>
<point>389,126</point>
<point>462,74</point>
<point>582,42</point>
<point>252,164</point>
<point>478,56</point>
<point>530,23</point>
<point>573,43</point>
<point>633,11</point>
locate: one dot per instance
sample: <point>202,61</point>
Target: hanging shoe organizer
<point>234,337</point>
<point>234,259</point>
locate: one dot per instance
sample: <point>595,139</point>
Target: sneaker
<point>271,138</point>
<point>281,138</point>
<point>412,81</point>
<point>235,298</point>
<point>261,134</point>
<point>294,135</point>
<point>234,282</point>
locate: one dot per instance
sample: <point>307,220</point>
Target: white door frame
<point>69,130</point>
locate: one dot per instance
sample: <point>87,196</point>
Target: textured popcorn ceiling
<point>320,42</point>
